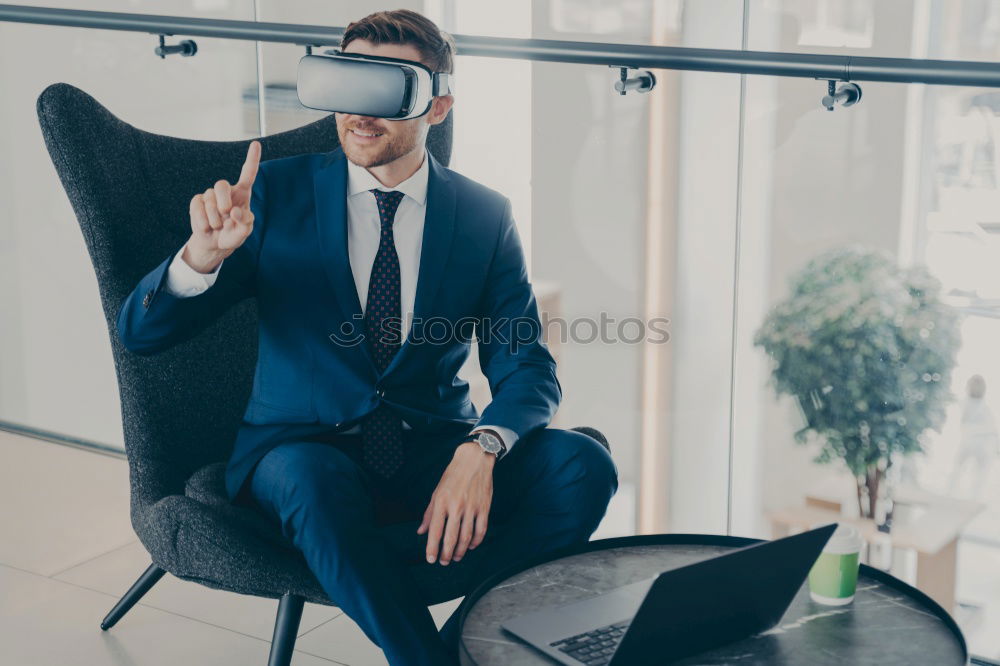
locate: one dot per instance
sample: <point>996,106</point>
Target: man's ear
<point>440,106</point>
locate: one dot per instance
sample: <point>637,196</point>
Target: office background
<point>698,201</point>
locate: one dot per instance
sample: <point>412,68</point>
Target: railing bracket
<point>186,48</point>
<point>846,94</point>
<point>644,82</point>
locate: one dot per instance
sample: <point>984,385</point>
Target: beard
<point>404,139</point>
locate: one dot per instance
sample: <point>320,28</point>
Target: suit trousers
<point>551,490</point>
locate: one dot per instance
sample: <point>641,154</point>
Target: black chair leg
<point>140,587</point>
<point>286,628</point>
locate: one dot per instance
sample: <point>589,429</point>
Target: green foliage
<point>867,349</point>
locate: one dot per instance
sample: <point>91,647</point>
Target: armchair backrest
<point>180,408</point>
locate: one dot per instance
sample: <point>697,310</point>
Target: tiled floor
<point>68,552</point>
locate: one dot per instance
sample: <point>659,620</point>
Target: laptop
<point>679,612</point>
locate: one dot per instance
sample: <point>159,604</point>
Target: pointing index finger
<point>249,172</point>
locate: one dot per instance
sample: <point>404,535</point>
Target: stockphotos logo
<point>515,332</point>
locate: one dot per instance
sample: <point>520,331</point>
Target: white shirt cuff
<point>506,434</point>
<point>184,281</point>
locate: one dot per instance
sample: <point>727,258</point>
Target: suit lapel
<point>330,191</point>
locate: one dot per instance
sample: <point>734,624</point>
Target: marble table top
<point>888,622</point>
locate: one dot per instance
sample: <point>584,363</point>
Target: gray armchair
<point>178,427</point>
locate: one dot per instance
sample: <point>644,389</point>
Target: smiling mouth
<point>366,135</point>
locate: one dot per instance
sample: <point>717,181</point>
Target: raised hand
<point>221,219</point>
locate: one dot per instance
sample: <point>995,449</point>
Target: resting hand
<point>460,505</point>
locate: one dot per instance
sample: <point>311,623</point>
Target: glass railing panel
<point>56,371</point>
<point>867,299</point>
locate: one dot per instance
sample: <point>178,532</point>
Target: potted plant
<point>867,349</point>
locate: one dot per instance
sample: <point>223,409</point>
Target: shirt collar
<point>359,180</point>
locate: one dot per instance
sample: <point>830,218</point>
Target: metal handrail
<point>806,65</point>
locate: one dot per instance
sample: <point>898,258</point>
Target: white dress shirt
<point>363,235</point>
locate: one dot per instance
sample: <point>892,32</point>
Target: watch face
<point>490,442</point>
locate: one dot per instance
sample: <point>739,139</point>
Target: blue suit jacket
<point>311,366</point>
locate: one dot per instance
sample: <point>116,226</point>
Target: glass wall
<point>56,371</point>
<point>714,202</point>
<point>908,174</point>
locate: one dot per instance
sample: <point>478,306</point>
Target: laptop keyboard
<point>594,648</point>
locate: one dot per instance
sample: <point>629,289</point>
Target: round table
<point>889,622</point>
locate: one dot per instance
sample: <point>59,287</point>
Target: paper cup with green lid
<point>833,579</point>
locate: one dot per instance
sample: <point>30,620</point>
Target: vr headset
<point>368,85</point>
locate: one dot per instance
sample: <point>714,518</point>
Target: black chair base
<point>286,628</point>
<point>286,624</point>
<point>147,580</point>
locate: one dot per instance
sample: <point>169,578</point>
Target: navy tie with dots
<point>382,429</point>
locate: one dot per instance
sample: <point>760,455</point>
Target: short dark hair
<point>404,26</point>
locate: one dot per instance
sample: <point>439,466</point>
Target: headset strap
<point>442,83</point>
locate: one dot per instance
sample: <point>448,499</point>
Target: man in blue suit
<point>373,266</point>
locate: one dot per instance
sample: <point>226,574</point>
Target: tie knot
<point>387,202</point>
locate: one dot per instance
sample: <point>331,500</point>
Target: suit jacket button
<point>146,299</point>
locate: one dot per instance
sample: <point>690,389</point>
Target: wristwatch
<point>490,443</point>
